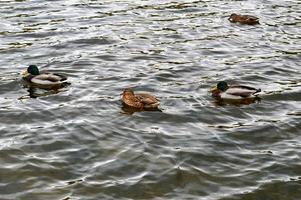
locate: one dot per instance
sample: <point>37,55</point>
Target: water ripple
<point>80,143</point>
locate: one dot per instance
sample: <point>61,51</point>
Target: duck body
<point>234,92</point>
<point>44,80</point>
<point>243,19</point>
<point>139,100</point>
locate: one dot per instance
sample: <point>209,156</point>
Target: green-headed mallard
<point>140,100</point>
<point>243,19</point>
<point>44,80</point>
<point>233,92</point>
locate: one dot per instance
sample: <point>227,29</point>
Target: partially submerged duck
<point>243,19</point>
<point>140,100</point>
<point>234,92</point>
<point>44,80</point>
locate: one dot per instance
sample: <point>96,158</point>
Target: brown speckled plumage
<point>140,100</point>
<point>243,19</point>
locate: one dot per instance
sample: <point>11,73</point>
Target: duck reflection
<point>35,92</point>
<point>237,102</point>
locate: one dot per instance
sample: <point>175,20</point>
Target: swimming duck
<point>44,80</point>
<point>243,19</point>
<point>234,92</point>
<point>140,100</point>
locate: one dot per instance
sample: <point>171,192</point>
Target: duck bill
<point>24,73</point>
<point>213,89</point>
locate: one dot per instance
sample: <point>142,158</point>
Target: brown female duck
<point>243,19</point>
<point>140,100</point>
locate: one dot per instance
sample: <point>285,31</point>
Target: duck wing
<point>243,91</point>
<point>147,99</point>
<point>47,81</point>
<point>249,17</point>
<point>51,77</point>
<point>131,101</point>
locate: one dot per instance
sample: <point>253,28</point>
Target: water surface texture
<point>80,144</point>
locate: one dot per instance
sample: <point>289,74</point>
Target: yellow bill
<point>24,73</point>
<point>213,89</point>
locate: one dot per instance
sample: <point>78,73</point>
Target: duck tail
<point>62,77</point>
<point>257,91</point>
<point>65,84</point>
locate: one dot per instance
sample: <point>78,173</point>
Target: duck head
<point>32,69</point>
<point>221,86</point>
<point>233,15</point>
<point>128,92</point>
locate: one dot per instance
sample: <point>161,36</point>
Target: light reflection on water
<point>80,143</point>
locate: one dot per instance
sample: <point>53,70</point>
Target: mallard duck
<point>140,100</point>
<point>243,19</point>
<point>44,80</point>
<point>234,92</point>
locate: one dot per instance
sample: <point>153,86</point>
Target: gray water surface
<point>80,144</point>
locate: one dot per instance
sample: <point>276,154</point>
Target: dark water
<point>79,144</point>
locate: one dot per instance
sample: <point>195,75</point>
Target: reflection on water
<point>34,92</point>
<point>80,142</point>
<point>236,102</point>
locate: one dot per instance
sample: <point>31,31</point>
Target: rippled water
<point>80,143</point>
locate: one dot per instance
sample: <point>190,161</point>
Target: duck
<point>140,100</point>
<point>234,92</point>
<point>243,19</point>
<point>43,80</point>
